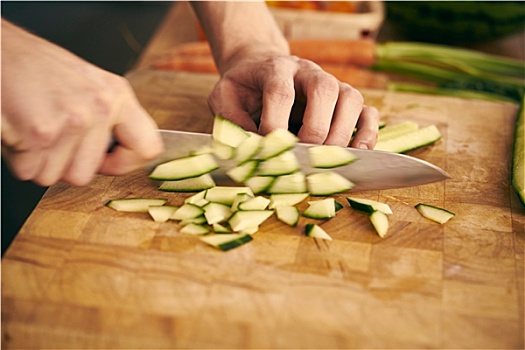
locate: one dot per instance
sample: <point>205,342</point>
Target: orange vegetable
<point>357,76</point>
<point>340,51</point>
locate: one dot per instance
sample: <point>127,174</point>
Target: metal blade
<point>374,170</point>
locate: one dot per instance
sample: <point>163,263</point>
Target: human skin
<point>60,114</point>
<point>261,82</point>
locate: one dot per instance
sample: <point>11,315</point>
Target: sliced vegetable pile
<point>270,182</point>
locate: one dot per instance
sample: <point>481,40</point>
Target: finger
<point>24,165</point>
<point>278,97</point>
<point>321,91</point>
<point>346,115</point>
<point>367,129</point>
<point>138,141</point>
<point>226,101</point>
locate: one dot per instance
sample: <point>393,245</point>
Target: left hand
<point>263,88</point>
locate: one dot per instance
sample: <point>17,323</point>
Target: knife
<point>373,170</point>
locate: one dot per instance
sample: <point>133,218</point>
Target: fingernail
<point>362,145</point>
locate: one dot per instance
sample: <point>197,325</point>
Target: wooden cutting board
<point>81,275</point>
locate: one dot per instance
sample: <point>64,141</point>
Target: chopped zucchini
<point>187,211</point>
<point>196,198</point>
<point>259,184</point>
<point>221,228</point>
<point>227,132</point>
<point>255,203</point>
<point>288,214</point>
<point>248,148</point>
<point>222,150</point>
<point>161,213</point>
<point>184,168</point>
<point>329,156</point>
<point>408,142</point>
<point>245,219</point>
<point>282,164</point>
<point>216,212</point>
<point>380,222</point>
<point>276,142</point>
<point>433,213</point>
<point>292,183</point>
<point>316,231</point>
<point>286,199</point>
<point>227,241</point>
<point>327,183</point>
<point>195,229</point>
<point>225,194</point>
<point>396,130</point>
<point>135,204</point>
<point>321,209</point>
<point>368,205</point>
<point>243,172</point>
<point>199,220</point>
<point>239,198</point>
<point>194,184</point>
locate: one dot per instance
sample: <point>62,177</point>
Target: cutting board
<point>81,275</point>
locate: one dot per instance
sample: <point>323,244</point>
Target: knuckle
<point>314,134</point>
<point>280,92</point>
<point>326,84</point>
<point>349,92</point>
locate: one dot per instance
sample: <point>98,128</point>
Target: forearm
<point>236,29</point>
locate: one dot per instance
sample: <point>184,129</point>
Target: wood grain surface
<point>81,275</point>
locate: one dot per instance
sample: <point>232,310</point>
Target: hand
<point>60,113</point>
<point>264,89</point>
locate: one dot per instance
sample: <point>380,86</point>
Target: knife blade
<point>373,170</point>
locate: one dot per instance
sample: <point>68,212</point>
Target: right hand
<point>60,114</point>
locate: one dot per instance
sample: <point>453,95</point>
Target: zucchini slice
<point>227,132</point>
<point>433,213</point>
<point>199,220</point>
<point>321,209</point>
<point>226,194</point>
<point>196,198</point>
<point>316,231</point>
<point>161,213</point>
<point>245,219</point>
<point>288,214</point>
<point>187,211</point>
<point>227,241</point>
<point>239,198</point>
<point>248,148</point>
<point>195,229</point>
<point>380,222</point>
<point>222,150</point>
<point>368,205</point>
<point>255,203</point>
<point>396,130</point>
<point>243,172</point>
<point>220,228</point>
<point>292,183</point>
<point>135,205</point>
<point>282,164</point>
<point>329,156</point>
<point>184,168</point>
<point>408,142</point>
<point>259,184</point>
<point>286,199</point>
<point>518,155</point>
<point>193,184</point>
<point>216,212</point>
<point>276,142</point>
<point>327,183</point>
